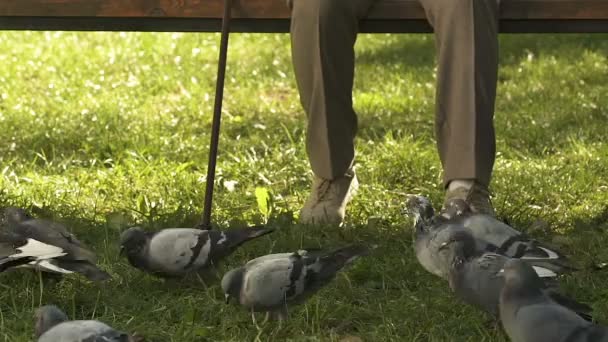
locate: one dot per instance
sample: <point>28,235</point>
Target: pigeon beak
<point>227,298</point>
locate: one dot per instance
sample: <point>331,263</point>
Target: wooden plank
<point>274,25</point>
<point>277,9</point>
<point>555,9</point>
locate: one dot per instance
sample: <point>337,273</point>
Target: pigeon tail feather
<point>90,271</point>
<point>240,236</point>
<point>544,272</point>
<point>581,309</point>
<point>323,268</point>
<point>556,266</point>
<point>49,265</point>
<point>7,263</point>
<point>346,255</point>
<point>258,231</point>
<point>522,247</point>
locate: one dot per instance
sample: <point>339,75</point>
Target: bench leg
<point>217,114</point>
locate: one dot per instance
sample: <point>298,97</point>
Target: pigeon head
<point>133,241</point>
<point>520,275</point>
<point>47,317</point>
<point>232,283</point>
<point>14,215</point>
<point>419,206</point>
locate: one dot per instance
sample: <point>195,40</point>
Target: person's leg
<point>466,34</point>
<point>323,35</point>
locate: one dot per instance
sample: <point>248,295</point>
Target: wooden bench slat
<point>276,9</point>
<point>387,16</point>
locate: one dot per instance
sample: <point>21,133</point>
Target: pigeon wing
<point>28,251</point>
<point>495,236</point>
<point>319,271</point>
<point>265,258</point>
<point>545,320</point>
<point>56,234</point>
<point>179,249</point>
<point>477,283</point>
<point>489,229</point>
<point>83,330</point>
<point>269,284</point>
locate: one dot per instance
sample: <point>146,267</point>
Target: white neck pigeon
<point>43,245</point>
<point>528,314</point>
<point>272,282</point>
<point>176,252</point>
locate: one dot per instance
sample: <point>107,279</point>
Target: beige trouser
<point>323,34</point>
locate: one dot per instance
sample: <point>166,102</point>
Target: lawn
<point>107,130</point>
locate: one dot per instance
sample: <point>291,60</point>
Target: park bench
<point>387,16</point>
<point>272,16</point>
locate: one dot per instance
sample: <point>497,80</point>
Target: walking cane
<point>217,115</point>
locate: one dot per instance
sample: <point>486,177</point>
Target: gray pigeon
<point>43,245</point>
<point>271,282</point>
<point>490,234</point>
<point>176,252</point>
<point>528,314</point>
<point>53,325</point>
<point>426,228</point>
<point>473,277</point>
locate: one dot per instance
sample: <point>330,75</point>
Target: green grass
<point>108,130</point>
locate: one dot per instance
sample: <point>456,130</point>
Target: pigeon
<point>473,277</point>
<point>270,282</point>
<point>490,234</point>
<point>44,245</point>
<point>53,325</point>
<point>426,227</point>
<point>528,314</point>
<point>177,252</point>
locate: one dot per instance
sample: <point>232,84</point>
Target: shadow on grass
<point>524,119</point>
<point>406,54</point>
<point>416,53</point>
<point>516,47</point>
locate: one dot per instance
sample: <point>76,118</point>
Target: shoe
<point>477,197</point>
<point>328,199</point>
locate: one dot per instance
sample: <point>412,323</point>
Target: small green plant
<point>264,199</point>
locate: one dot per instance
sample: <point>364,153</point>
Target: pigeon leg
<point>255,323</point>
<point>201,278</point>
<point>208,276</point>
<point>281,315</point>
<point>277,315</point>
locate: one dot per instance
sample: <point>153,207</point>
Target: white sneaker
<point>328,199</point>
